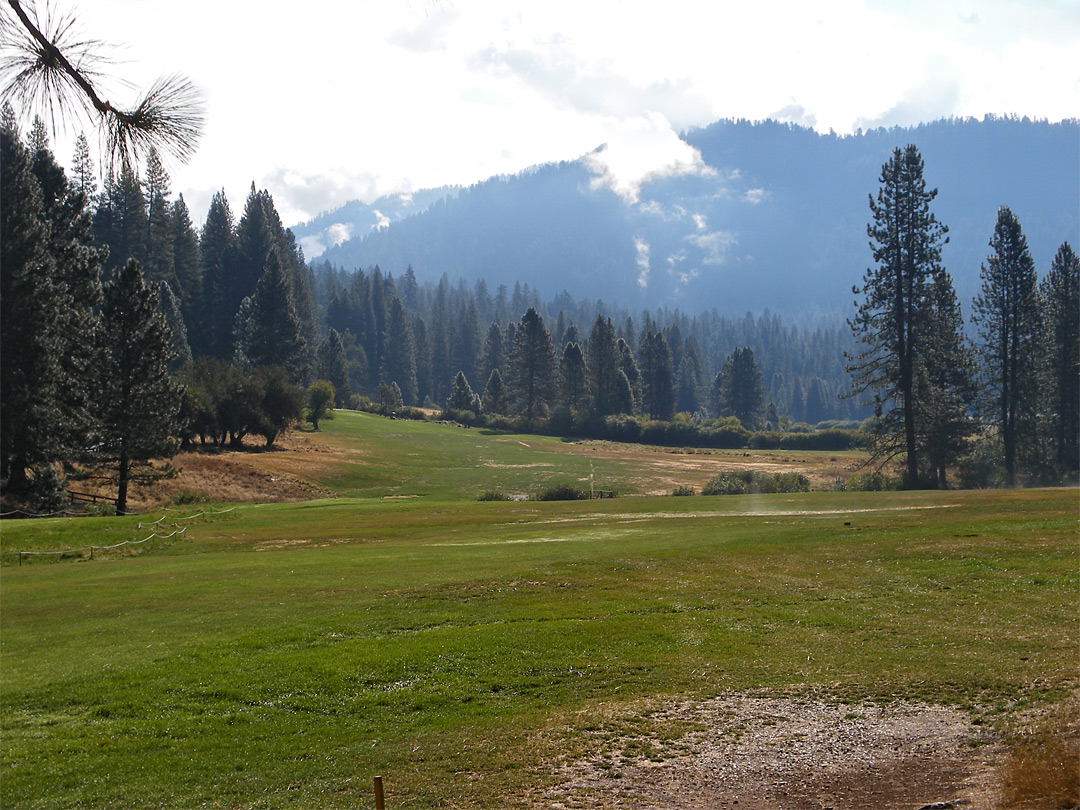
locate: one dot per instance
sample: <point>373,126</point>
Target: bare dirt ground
<point>670,467</point>
<point>776,753</point>
<point>247,475</point>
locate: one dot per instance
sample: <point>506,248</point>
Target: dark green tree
<point>170,311</point>
<point>185,251</point>
<point>461,397</point>
<point>741,391</point>
<point>31,375</point>
<point>220,300</point>
<point>160,261</point>
<point>320,402</point>
<point>281,403</point>
<point>333,365</point>
<point>270,334</point>
<point>138,400</point>
<point>573,378</point>
<point>629,367</point>
<point>1060,297</point>
<point>657,376</point>
<point>399,354</point>
<point>1006,313</point>
<point>532,366</point>
<point>890,324</point>
<point>494,400</point>
<point>603,364</point>
<point>494,353</point>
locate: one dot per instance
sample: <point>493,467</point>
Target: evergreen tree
<point>399,362</point>
<point>657,376</point>
<point>573,378</point>
<point>946,383</point>
<point>30,298</point>
<point>185,252</point>
<point>159,264</point>
<point>891,322</point>
<point>120,222</point>
<point>742,393</point>
<point>169,308</point>
<point>220,300</point>
<point>686,389</point>
<point>1006,313</point>
<point>461,394</point>
<point>138,401</point>
<point>531,366</point>
<point>83,173</point>
<point>628,366</point>
<point>269,333</point>
<point>1060,297</point>
<point>495,394</point>
<point>603,363</point>
<point>333,365</point>
<point>494,355</point>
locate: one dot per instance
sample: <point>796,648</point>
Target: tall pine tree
<point>1060,297</point>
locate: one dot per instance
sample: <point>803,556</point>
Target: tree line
<point>1010,394</point>
<point>250,325</point>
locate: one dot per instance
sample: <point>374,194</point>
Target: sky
<point>333,100</point>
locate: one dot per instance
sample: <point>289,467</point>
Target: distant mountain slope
<point>356,219</point>
<point>778,220</point>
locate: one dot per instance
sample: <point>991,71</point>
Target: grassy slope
<point>280,655</point>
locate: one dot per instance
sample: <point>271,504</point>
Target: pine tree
<point>138,400</point>
<point>495,394</point>
<point>461,394</point>
<point>494,355</point>
<point>1060,297</point>
<point>891,322</point>
<point>83,173</point>
<point>186,267</point>
<point>333,365</point>
<point>399,362</point>
<point>30,374</point>
<point>269,334</point>
<point>742,393</point>
<point>160,265</point>
<point>573,378</point>
<point>1006,313</point>
<point>169,308</point>
<point>531,366</point>
<point>219,300</point>
<point>657,376</point>
<point>945,383</point>
<point>629,367</point>
<point>603,369</point>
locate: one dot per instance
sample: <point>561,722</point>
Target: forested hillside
<point>777,219</point>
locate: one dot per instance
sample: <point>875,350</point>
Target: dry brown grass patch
<point>1042,769</point>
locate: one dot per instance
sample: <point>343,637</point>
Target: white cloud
<point>714,244</point>
<point>357,100</point>
<point>382,222</point>
<point>755,196</point>
<point>642,249</point>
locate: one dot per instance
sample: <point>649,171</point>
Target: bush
<point>868,482</point>
<point>103,509</point>
<point>746,482</point>
<point>683,490</point>
<point>48,492</point>
<point>563,492</point>
<point>983,467</point>
<point>493,495</point>
<point>186,498</point>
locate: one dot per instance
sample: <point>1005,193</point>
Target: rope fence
<point>92,548</point>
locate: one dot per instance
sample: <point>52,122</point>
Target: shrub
<point>563,492</point>
<point>683,490</point>
<point>746,482</point>
<point>48,493</point>
<point>185,498</point>
<point>103,509</point>
<point>876,481</point>
<point>493,495</point>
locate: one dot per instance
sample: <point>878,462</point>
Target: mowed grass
<point>282,655</point>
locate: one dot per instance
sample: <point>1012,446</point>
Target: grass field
<point>280,655</point>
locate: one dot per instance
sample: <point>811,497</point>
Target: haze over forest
<point>773,218</point>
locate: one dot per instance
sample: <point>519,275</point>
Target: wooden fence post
<point>379,803</point>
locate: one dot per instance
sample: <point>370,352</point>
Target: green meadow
<point>281,655</point>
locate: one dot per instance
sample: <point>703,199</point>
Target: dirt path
<point>771,753</point>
